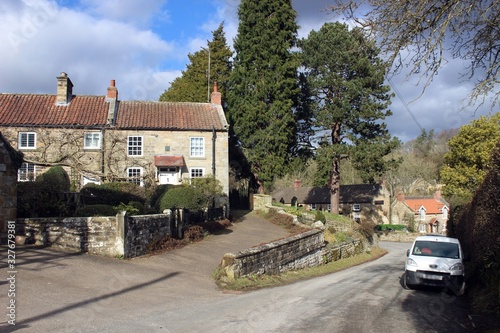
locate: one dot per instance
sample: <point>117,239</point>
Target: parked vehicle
<point>435,260</point>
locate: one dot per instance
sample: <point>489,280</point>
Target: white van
<point>435,260</point>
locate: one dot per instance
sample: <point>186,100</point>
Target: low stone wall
<point>296,252</point>
<point>343,250</point>
<point>142,230</point>
<point>120,235</point>
<point>96,235</point>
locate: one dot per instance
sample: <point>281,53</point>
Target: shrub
<point>183,197</point>
<point>159,191</point>
<point>54,179</point>
<point>133,208</point>
<point>112,194</point>
<point>95,210</point>
<point>319,216</point>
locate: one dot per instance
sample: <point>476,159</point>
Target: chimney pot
<point>296,184</point>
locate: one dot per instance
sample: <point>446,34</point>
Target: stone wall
<point>143,230</point>
<point>120,235</point>
<point>300,251</point>
<point>95,235</point>
<point>295,252</point>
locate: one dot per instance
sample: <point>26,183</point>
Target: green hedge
<point>183,197</point>
<point>95,210</point>
<point>383,227</point>
<point>112,194</point>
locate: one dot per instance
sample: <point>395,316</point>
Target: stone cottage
<point>429,214</point>
<point>102,139</point>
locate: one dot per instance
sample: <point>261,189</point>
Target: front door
<point>168,175</point>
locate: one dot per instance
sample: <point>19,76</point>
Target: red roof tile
<point>431,205</point>
<point>169,115</point>
<point>41,110</point>
<point>163,160</point>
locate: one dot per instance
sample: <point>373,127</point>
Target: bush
<point>157,194</point>
<point>319,216</point>
<point>183,197</point>
<point>112,194</point>
<point>133,208</point>
<point>54,179</point>
<point>95,210</point>
<point>41,198</point>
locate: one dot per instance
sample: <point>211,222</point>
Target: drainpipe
<point>214,137</point>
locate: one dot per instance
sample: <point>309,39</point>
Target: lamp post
<point>208,74</point>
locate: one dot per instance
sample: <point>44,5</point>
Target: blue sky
<point>143,45</point>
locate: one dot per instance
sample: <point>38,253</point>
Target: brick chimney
<point>401,196</point>
<point>216,97</point>
<point>64,89</point>
<point>296,184</point>
<point>112,91</point>
<point>112,99</point>
<point>437,195</point>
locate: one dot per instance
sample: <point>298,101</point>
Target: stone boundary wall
<point>343,250</point>
<point>295,252</point>
<point>142,230</point>
<point>120,235</point>
<point>95,235</point>
<point>307,249</point>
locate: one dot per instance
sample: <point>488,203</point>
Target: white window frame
<point>88,180</point>
<point>422,228</point>
<point>27,144</point>
<point>24,172</point>
<point>137,146</point>
<point>94,140</point>
<point>132,178</point>
<point>192,170</point>
<point>444,212</point>
<point>421,214</point>
<point>197,146</point>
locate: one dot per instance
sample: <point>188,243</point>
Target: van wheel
<point>405,282</point>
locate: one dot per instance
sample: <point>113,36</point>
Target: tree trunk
<point>335,187</point>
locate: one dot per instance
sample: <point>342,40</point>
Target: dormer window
<point>421,214</point>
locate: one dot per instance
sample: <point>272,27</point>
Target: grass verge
<point>255,282</point>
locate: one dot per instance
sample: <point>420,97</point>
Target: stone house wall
<point>8,186</point>
<point>114,160</point>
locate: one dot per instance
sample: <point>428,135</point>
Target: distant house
<point>102,139</point>
<point>430,214</point>
<point>360,202</point>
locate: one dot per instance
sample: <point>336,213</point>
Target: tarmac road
<point>174,292</point>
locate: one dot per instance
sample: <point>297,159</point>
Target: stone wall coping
<point>276,244</point>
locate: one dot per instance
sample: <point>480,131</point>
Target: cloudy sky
<point>143,45</point>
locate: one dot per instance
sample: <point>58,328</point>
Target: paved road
<point>173,292</point>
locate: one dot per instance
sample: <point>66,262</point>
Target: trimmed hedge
<point>186,197</point>
<point>112,194</point>
<point>95,210</point>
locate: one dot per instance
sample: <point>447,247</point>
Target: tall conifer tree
<point>264,86</point>
<point>196,82</point>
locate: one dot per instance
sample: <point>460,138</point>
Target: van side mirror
<point>407,252</point>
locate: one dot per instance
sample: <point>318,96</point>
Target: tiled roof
<point>41,110</point>
<point>431,205</point>
<point>84,111</point>
<point>164,160</point>
<point>169,115</point>
<point>362,193</point>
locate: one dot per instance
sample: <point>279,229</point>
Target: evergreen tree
<point>196,82</point>
<point>469,158</point>
<point>349,101</point>
<point>264,86</point>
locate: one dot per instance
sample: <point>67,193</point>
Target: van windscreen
<point>436,249</point>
